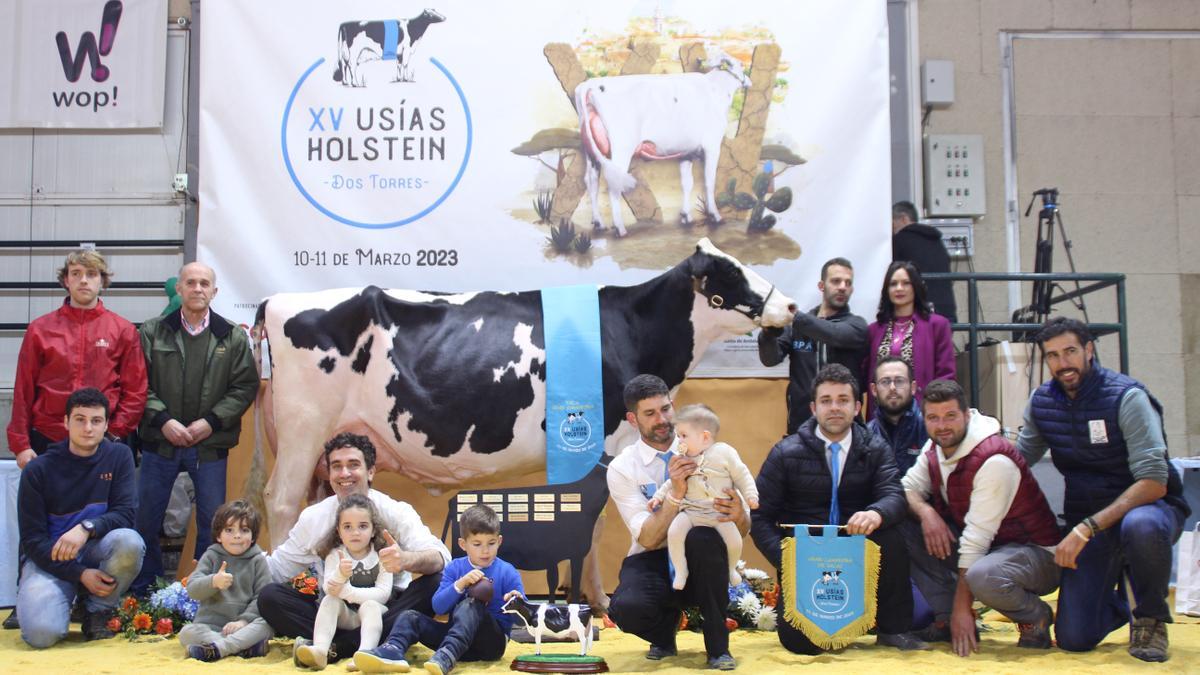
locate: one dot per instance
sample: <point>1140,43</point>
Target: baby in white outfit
<point>718,467</point>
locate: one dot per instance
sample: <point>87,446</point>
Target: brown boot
<point>1148,639</point>
<point>1036,635</point>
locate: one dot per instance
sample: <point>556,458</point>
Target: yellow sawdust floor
<point>756,652</point>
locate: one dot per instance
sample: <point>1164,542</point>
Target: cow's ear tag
<point>716,301</point>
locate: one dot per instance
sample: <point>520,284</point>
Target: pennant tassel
<point>851,631</point>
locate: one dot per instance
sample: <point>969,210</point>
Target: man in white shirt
<point>986,531</point>
<point>644,603</point>
<point>412,548</point>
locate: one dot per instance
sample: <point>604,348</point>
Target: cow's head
<point>518,605</point>
<point>715,58</point>
<point>737,297</point>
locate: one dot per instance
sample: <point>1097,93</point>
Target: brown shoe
<point>1036,635</point>
<point>95,626</point>
<point>1148,639</point>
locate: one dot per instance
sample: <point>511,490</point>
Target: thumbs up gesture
<point>391,556</point>
<point>345,565</point>
<point>222,579</point>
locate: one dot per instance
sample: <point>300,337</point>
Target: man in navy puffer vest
<point>1124,502</point>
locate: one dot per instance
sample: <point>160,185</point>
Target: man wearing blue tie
<point>644,604</point>
<point>834,471</point>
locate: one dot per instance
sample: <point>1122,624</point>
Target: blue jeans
<point>157,477</point>
<point>472,634</point>
<point>1092,601</point>
<point>44,601</point>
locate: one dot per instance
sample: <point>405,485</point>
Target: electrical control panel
<point>954,181</point>
<point>957,234</point>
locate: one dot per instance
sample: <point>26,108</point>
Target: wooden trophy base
<point>559,663</point>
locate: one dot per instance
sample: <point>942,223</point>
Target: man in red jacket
<point>986,530</point>
<point>80,344</point>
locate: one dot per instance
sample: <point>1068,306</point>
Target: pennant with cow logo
<point>574,387</point>
<point>829,585</point>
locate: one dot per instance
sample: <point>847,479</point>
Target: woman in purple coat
<point>906,328</point>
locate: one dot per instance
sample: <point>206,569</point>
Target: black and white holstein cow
<point>366,42</point>
<point>557,621</point>
<point>674,116</point>
<point>451,387</point>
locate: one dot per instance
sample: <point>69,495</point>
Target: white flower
<point>741,565</point>
<point>766,619</point>
<point>749,605</point>
<point>752,574</point>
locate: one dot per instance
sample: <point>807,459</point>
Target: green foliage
<point>583,243</point>
<point>562,236</point>
<point>757,203</point>
<point>542,204</point>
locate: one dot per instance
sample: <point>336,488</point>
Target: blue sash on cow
<point>574,385</point>
<point>391,39</point>
<point>829,585</point>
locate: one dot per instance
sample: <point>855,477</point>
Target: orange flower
<point>141,621</point>
<point>731,624</point>
<point>114,624</point>
<point>683,621</point>
<point>130,604</point>
<point>164,627</point>
<point>770,597</point>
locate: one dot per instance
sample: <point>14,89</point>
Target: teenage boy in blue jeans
<point>478,630</point>
<point>75,509</point>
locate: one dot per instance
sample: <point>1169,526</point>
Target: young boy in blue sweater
<point>478,629</point>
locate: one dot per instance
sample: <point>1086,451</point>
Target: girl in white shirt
<point>357,588</point>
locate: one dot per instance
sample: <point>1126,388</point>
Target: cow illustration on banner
<point>830,584</point>
<point>385,41</point>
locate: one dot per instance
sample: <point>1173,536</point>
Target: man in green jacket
<point>202,379</point>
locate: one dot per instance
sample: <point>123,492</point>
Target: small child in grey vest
<point>226,583</point>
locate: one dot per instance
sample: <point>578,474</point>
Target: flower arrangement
<point>751,603</point>
<point>305,582</point>
<point>167,610</point>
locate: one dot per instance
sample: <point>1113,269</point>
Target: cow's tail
<point>256,480</point>
<point>596,141</point>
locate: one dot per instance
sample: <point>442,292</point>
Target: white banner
<point>83,64</point>
<point>343,145</point>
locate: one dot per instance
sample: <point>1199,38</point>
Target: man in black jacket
<point>922,246</point>
<point>828,333</point>
<point>796,483</point>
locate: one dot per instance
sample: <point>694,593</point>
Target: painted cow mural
<point>667,116</point>
<point>451,387</point>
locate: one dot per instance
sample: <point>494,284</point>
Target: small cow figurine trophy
<point>557,621</point>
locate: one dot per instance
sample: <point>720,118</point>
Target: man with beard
<point>985,529</point>
<point>1123,501</point>
<point>834,471</point>
<point>828,333</point>
<point>414,555</point>
<point>644,603</point>
<point>897,417</point>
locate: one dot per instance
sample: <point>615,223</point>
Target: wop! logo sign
<point>73,68</point>
<point>377,133</point>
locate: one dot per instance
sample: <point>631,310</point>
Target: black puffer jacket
<point>794,485</point>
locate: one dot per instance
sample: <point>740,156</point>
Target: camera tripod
<point>1039,307</point>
